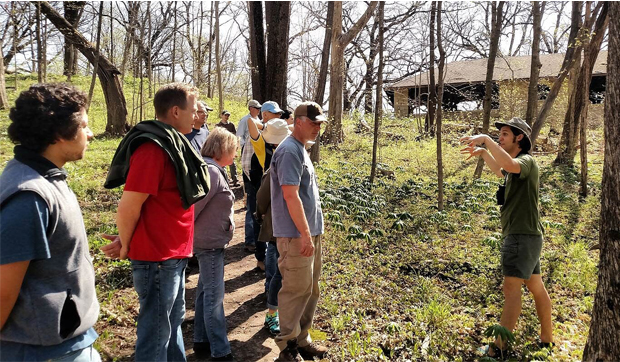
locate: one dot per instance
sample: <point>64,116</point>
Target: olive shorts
<point>521,255</point>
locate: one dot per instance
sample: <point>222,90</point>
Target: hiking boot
<point>312,350</point>
<point>202,350</point>
<point>290,353</point>
<point>228,357</point>
<point>272,323</point>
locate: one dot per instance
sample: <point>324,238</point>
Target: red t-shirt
<point>165,230</point>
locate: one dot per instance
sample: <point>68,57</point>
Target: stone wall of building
<point>401,102</point>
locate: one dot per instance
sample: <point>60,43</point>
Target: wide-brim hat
<point>275,131</point>
<point>311,110</point>
<point>519,124</point>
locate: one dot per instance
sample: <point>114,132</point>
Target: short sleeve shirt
<point>24,220</point>
<point>520,214</point>
<point>164,230</point>
<point>291,165</point>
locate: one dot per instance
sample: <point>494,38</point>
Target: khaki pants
<point>299,295</point>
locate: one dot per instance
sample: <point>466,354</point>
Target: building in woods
<point>464,88</point>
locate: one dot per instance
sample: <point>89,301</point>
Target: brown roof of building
<point>474,71</point>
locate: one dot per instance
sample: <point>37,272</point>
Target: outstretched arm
<point>500,157</point>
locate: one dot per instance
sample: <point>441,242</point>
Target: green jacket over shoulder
<point>191,171</point>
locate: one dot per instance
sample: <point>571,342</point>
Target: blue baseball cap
<point>271,107</point>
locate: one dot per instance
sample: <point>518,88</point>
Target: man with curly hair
<point>48,302</point>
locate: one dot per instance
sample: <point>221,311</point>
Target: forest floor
<point>244,305</point>
<point>402,280</point>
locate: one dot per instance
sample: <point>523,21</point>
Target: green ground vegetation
<point>402,280</point>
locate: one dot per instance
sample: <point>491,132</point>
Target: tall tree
<point>590,40</point>
<point>277,17</point>
<point>73,13</point>
<point>319,95</point>
<point>4,101</point>
<point>258,51</point>
<point>218,60</point>
<point>603,343</point>
<point>108,74</point>
<point>378,94</point>
<point>333,133</point>
<point>496,26</point>
<point>440,88</point>
<point>39,47</point>
<point>96,65</point>
<point>574,48</point>
<point>535,65</point>
<point>432,88</point>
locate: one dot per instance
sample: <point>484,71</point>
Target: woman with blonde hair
<point>213,230</point>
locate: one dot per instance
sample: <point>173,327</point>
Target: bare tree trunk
<point>220,92</point>
<point>580,95</point>
<point>209,83</point>
<point>13,8</point>
<point>333,133</point>
<point>603,343</point>
<point>378,95</point>
<point>108,74</point>
<point>4,100</point>
<point>496,27</point>
<point>532,91</point>
<point>569,59</point>
<point>112,32</point>
<point>133,8</point>
<point>315,154</point>
<point>258,51</point>
<point>277,16</point>
<point>432,91</point>
<point>174,45</point>
<point>39,48</point>
<point>440,68</point>
<point>96,66</point>
<point>73,11</point>
<point>583,116</point>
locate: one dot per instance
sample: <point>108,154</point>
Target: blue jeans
<point>88,354</point>
<point>250,237</point>
<point>210,320</point>
<point>161,291</point>
<point>273,278</point>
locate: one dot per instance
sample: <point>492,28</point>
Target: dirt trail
<point>244,304</point>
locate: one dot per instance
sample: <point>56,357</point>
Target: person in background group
<point>48,301</point>
<point>287,116</point>
<point>243,134</point>
<point>214,227</point>
<point>259,162</point>
<point>200,130</point>
<point>224,123</point>
<point>297,221</point>
<point>275,131</point>
<point>521,227</point>
<point>155,219</point>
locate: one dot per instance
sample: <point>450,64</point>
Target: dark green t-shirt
<point>519,214</point>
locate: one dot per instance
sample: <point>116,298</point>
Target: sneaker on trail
<point>312,350</point>
<point>272,323</point>
<point>290,353</point>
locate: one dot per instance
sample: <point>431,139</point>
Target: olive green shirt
<point>520,214</point>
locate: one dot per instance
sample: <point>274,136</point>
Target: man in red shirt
<point>155,221</point>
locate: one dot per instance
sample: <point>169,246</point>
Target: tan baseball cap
<point>311,110</point>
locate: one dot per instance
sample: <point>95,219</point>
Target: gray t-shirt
<point>291,165</point>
